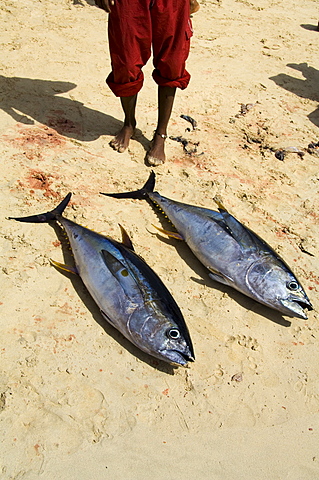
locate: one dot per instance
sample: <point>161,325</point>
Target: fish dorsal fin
<point>122,273</point>
<point>126,239</point>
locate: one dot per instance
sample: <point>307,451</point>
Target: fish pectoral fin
<point>122,273</point>
<point>116,267</point>
<point>221,278</point>
<point>243,235</point>
<point>108,319</point>
<point>169,234</point>
<point>62,266</point>
<point>126,239</point>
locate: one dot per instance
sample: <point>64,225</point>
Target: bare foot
<point>122,139</point>
<point>156,154</point>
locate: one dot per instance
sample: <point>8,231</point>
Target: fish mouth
<point>177,357</point>
<point>297,307</point>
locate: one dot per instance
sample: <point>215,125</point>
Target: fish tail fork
<point>48,216</point>
<point>138,194</point>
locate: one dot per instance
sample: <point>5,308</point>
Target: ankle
<point>160,134</point>
<point>129,123</point>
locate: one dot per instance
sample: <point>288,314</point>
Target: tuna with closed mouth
<point>128,292</point>
<point>234,255</point>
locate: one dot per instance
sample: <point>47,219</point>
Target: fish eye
<point>293,285</point>
<point>173,333</point>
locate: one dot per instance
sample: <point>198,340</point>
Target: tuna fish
<point>233,254</point>
<point>128,292</point>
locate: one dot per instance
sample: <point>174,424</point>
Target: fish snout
<point>297,304</point>
<point>178,357</point>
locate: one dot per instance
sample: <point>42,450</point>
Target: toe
<point>116,145</point>
<point>153,161</point>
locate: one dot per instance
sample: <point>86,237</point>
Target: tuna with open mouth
<point>233,254</point>
<point>128,292</point>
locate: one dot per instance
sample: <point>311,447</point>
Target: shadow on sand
<point>28,100</point>
<point>304,88</point>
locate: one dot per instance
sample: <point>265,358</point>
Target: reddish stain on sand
<point>66,308</point>
<point>38,180</point>
<point>36,448</point>
<point>63,125</point>
<point>36,142</point>
<point>40,136</point>
<point>60,342</point>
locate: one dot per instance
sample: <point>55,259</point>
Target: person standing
<point>137,28</point>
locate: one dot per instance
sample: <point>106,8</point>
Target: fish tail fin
<point>48,216</point>
<point>138,194</point>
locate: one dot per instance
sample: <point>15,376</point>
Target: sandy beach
<point>77,400</point>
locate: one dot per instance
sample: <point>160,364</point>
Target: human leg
<point>156,154</point>
<point>171,32</point>
<point>130,48</point>
<point>121,140</point>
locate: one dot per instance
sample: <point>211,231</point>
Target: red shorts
<point>135,28</point>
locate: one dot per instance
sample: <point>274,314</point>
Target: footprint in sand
<point>304,335</point>
<point>243,341</point>
<point>244,350</point>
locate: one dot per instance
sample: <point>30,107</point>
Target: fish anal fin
<point>169,234</point>
<point>62,266</point>
<point>126,239</point>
